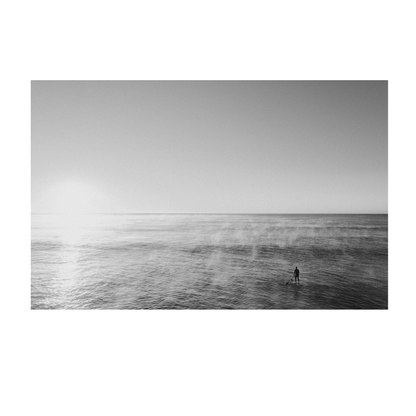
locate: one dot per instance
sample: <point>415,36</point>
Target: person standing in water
<point>296,274</point>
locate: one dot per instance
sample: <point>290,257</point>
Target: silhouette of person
<point>296,274</point>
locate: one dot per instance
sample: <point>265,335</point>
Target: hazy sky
<point>260,146</point>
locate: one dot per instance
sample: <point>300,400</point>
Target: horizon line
<point>209,213</point>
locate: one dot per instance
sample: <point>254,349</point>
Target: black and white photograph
<point>209,195</point>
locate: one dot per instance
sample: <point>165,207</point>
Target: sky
<point>209,146</point>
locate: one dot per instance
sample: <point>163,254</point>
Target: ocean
<point>198,261</point>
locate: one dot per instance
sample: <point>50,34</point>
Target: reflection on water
<point>209,261</point>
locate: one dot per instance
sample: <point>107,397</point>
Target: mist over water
<point>209,261</point>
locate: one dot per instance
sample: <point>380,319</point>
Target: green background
<point>196,371</point>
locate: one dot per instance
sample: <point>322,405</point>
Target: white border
<point>25,316</point>
<point>13,201</point>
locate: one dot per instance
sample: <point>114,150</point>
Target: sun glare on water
<point>74,202</point>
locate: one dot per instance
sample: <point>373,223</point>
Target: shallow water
<point>209,261</point>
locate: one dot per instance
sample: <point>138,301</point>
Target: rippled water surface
<point>209,261</point>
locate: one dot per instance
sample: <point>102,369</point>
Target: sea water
<point>140,261</point>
